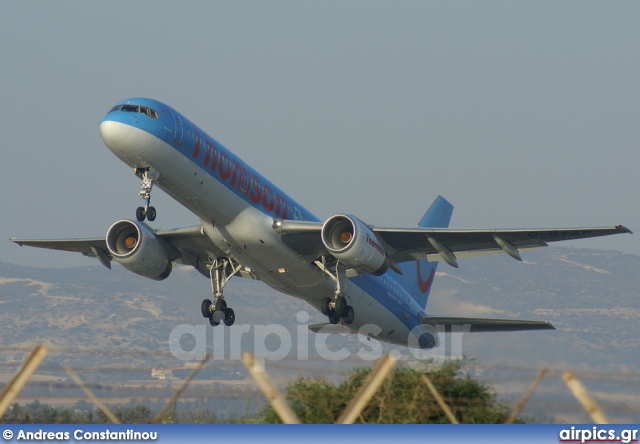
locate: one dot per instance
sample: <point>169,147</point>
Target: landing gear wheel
<point>229,317</point>
<point>140,214</point>
<point>334,318</point>
<point>212,320</point>
<point>151,214</point>
<point>341,306</point>
<point>349,315</point>
<point>221,305</point>
<point>205,308</point>
<point>324,306</point>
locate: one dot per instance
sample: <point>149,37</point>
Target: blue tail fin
<point>418,276</point>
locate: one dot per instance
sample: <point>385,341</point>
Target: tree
<point>402,399</point>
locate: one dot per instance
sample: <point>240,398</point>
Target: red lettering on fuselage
<point>281,204</point>
<point>268,200</point>
<point>196,148</point>
<point>224,162</point>
<point>245,179</point>
<point>233,171</point>
<point>214,152</point>
<point>256,192</point>
<point>236,171</point>
<point>241,175</point>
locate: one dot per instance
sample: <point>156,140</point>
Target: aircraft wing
<point>407,244</point>
<point>483,325</point>
<point>185,245</point>
<point>188,245</point>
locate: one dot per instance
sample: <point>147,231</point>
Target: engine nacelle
<point>350,241</point>
<point>137,249</point>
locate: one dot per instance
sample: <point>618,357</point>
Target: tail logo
<point>423,285</point>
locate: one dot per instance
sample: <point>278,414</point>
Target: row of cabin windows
<point>149,112</point>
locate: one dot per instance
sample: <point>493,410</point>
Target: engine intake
<point>352,242</point>
<point>137,249</point>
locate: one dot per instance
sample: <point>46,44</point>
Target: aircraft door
<point>177,138</point>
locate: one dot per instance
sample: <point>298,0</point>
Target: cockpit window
<point>149,112</point>
<point>130,108</point>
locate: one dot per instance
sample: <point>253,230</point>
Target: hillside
<point>114,325</point>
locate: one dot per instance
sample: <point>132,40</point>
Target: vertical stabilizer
<point>418,276</point>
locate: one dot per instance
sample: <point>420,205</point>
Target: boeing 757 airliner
<point>353,272</point>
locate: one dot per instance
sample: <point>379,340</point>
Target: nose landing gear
<point>147,175</point>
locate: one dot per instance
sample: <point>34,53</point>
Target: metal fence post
<point>274,397</point>
<point>369,387</point>
<point>21,377</point>
<point>582,395</point>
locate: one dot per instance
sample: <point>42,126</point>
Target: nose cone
<point>114,132</point>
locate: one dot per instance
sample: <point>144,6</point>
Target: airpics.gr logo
<point>596,434</point>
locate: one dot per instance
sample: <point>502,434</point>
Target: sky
<point>522,114</point>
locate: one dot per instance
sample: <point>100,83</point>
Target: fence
<point>171,391</point>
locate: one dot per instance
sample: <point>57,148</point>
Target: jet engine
<point>137,249</point>
<point>350,241</point>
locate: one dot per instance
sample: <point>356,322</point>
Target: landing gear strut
<point>337,307</point>
<point>220,272</point>
<point>148,175</point>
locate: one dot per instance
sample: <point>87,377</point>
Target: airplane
<point>354,273</point>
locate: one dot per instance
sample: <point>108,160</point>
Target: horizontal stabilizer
<point>487,325</point>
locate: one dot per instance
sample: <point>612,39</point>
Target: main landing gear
<point>148,175</point>
<point>221,271</point>
<point>336,308</point>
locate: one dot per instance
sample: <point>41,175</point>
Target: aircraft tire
<point>140,215</point>
<point>151,214</point>
<point>204,308</point>
<point>341,306</point>
<point>213,321</point>
<point>334,318</point>
<point>349,315</point>
<point>229,317</point>
<point>221,305</point>
<point>324,306</point>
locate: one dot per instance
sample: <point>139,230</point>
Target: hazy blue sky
<point>522,114</point>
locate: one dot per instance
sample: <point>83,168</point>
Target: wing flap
<point>485,325</point>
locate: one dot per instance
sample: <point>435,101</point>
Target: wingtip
<point>15,241</point>
<point>624,229</point>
